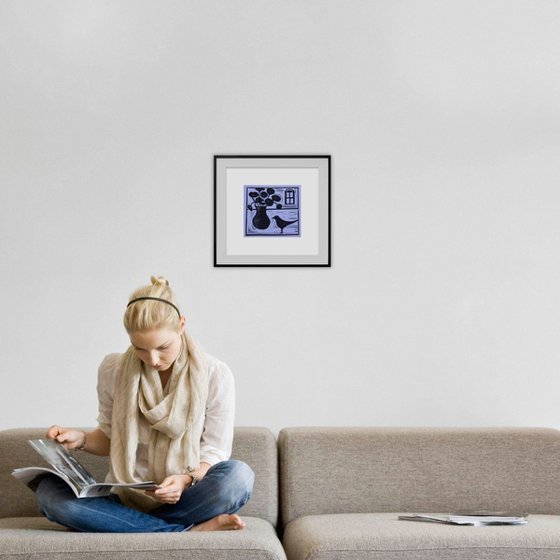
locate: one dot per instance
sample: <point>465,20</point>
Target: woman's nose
<point>153,357</point>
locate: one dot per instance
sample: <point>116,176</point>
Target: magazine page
<point>63,462</point>
<point>69,469</point>
<point>104,488</point>
<point>488,518</point>
<point>428,518</point>
<point>476,519</point>
<point>28,474</point>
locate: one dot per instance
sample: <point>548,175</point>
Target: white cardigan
<point>217,435</point>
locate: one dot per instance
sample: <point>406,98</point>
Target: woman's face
<point>158,348</point>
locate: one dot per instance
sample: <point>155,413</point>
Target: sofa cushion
<point>361,470</point>
<point>38,539</point>
<point>382,536</point>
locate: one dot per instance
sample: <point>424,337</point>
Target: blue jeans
<point>225,488</point>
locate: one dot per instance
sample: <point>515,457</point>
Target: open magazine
<point>68,468</point>
<point>477,518</point>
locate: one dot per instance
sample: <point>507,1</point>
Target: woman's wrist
<point>82,447</point>
<point>190,479</point>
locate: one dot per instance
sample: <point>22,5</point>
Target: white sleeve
<point>217,436</point>
<point>105,388</point>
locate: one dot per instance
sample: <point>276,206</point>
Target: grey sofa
<point>25,535</point>
<point>342,489</point>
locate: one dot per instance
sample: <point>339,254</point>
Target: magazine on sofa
<point>68,468</point>
<point>475,518</point>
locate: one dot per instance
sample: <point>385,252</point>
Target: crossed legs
<point>209,505</point>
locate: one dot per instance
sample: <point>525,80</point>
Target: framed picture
<point>272,210</point>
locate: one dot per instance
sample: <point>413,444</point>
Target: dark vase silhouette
<point>261,219</point>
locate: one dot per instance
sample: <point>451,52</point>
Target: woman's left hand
<point>170,490</point>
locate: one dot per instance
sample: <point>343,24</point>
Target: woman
<point>166,414</point>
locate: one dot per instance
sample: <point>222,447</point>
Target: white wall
<point>443,122</point>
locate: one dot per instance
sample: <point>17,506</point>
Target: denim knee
<point>243,476</point>
<point>241,479</point>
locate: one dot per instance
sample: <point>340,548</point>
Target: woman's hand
<point>171,488</point>
<point>70,438</point>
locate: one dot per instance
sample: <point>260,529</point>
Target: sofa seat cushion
<point>35,538</point>
<point>383,536</point>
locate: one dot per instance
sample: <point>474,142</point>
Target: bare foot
<point>222,522</point>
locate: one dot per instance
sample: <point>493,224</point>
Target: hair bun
<point>159,281</point>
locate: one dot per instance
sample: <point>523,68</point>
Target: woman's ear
<point>182,322</point>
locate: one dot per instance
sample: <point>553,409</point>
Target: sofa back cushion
<point>255,446</point>
<point>360,470</point>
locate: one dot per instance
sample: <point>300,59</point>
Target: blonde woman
<point>166,413</point>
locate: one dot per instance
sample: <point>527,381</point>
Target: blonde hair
<point>149,314</point>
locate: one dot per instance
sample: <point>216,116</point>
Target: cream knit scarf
<point>174,420</point>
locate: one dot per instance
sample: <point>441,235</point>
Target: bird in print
<point>282,223</point>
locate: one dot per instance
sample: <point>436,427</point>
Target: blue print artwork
<point>272,210</point>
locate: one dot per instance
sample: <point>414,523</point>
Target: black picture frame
<point>272,210</point>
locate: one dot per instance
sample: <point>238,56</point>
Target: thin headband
<point>155,299</point>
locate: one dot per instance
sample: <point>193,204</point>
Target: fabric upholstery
<point>255,446</point>
<point>362,470</point>
<point>382,536</point>
<point>35,538</point>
